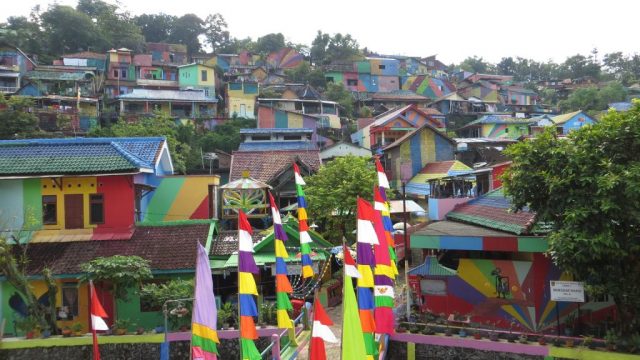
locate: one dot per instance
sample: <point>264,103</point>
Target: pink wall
<point>438,208</point>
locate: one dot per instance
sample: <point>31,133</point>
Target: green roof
<point>563,118</point>
<point>270,258</point>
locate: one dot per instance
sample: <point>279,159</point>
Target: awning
<point>412,206</point>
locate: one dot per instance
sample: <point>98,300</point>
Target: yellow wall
<point>211,76</point>
<point>39,288</point>
<point>70,185</point>
<point>90,109</point>
<point>288,94</point>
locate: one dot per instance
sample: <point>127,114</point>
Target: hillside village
<point>151,151</point>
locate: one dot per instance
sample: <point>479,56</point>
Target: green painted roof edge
<point>515,229</point>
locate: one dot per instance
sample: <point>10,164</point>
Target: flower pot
<point>66,332</point>
<point>542,342</point>
<point>477,336</point>
<point>29,335</point>
<point>159,329</point>
<point>121,331</point>
<point>78,333</point>
<point>46,334</point>
<point>140,331</point>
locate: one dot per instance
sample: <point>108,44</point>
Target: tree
<point>157,295</point>
<point>157,125</point>
<point>592,99</point>
<point>269,43</point>
<point>476,65</point>
<point>506,66</point>
<point>16,120</point>
<point>215,32</point>
<point>125,273</point>
<point>325,48</point>
<point>333,191</point>
<point>578,66</point>
<point>67,29</point>
<point>155,27</point>
<point>187,30</point>
<point>23,33</point>
<point>588,187</point>
<point>339,94</point>
<point>319,46</point>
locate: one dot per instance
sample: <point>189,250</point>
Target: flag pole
<point>313,311</point>
<point>344,290</point>
<point>94,334</point>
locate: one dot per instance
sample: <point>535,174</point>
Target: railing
<point>8,89</point>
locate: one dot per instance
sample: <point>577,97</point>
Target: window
<point>203,75</point>
<point>96,209</point>
<point>260,137</point>
<point>352,82</point>
<point>382,67</point>
<point>206,92</point>
<point>115,73</point>
<point>292,138</point>
<point>69,309</point>
<point>49,210</point>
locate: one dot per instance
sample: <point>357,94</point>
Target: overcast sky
<point>453,29</point>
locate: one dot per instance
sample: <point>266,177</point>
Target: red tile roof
<point>166,247</point>
<point>226,243</point>
<point>266,165</point>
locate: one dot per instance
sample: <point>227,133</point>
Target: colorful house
<point>303,99</point>
<point>241,99</point>
<point>572,121</point>
<point>72,200</point>
<point>409,154</point>
<point>391,125</point>
<point>489,263</point>
<point>120,77</point>
<point>183,105</point>
<point>198,76</point>
<point>368,75</point>
<point>419,184</point>
<point>14,64</point>
<point>495,126</point>
<point>430,87</point>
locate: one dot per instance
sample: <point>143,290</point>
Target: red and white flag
<point>321,332</point>
<point>349,264</point>
<point>365,231</point>
<point>97,319</point>
<point>382,177</point>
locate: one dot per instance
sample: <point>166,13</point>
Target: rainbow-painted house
<point>488,262</point>
<point>72,200</point>
<point>496,127</point>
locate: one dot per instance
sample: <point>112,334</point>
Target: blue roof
<point>276,145</point>
<point>276,131</point>
<point>621,106</point>
<point>78,155</point>
<point>431,267</point>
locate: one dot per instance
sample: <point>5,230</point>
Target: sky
<point>452,29</point>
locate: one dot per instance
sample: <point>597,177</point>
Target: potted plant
<point>523,339</point>
<point>428,330</point>
<point>76,329</point>
<point>66,331</point>
<point>462,332</point>
<point>542,340</point>
<point>122,325</point>
<point>611,339</point>
<point>512,337</point>
<point>587,341</point>
<point>557,342</point>
<point>29,326</point>
<point>140,330</point>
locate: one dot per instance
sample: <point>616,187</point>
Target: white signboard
<point>570,291</point>
<point>294,269</point>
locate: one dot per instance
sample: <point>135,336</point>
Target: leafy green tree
<point>215,32</point>
<point>125,273</point>
<point>594,99</point>
<point>269,43</point>
<point>155,27</point>
<point>23,33</point>
<point>319,46</point>
<point>68,30</point>
<point>506,66</point>
<point>477,65</point>
<point>304,74</point>
<point>326,48</point>
<point>158,125</point>
<point>339,94</point>
<point>333,191</point>
<point>157,294</point>
<point>226,136</point>
<point>580,66</point>
<point>588,187</point>
<point>17,122</point>
<point>187,30</point>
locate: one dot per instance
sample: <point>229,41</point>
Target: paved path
<point>333,350</point>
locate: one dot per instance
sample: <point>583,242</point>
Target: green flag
<point>352,337</point>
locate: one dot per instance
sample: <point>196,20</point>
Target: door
<point>73,211</point>
<point>104,292</point>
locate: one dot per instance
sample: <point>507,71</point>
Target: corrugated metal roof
<point>56,75</point>
<point>561,119</point>
<point>277,145</point>
<point>276,131</point>
<point>431,267</point>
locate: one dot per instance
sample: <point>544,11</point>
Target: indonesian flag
<point>366,232</point>
<point>349,264</point>
<point>298,177</point>
<point>382,177</point>
<point>97,319</point>
<point>379,202</point>
<point>321,332</point>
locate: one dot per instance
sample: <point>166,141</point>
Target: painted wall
<point>427,86</point>
<point>485,93</point>
<point>496,174</point>
<point>438,208</point>
<point>504,131</point>
<point>285,58</point>
<point>191,76</point>
<point>269,118</point>
<point>473,291</point>
<point>427,146</point>
<point>176,197</point>
<point>576,122</point>
<point>241,99</point>
<point>24,196</point>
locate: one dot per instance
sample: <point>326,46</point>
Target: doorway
<point>73,211</point>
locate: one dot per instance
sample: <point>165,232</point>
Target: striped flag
<point>384,272</point>
<point>320,332</point>
<point>283,286</point>
<point>305,238</point>
<point>366,236</point>
<point>247,289</point>
<point>353,346</point>
<point>204,336</point>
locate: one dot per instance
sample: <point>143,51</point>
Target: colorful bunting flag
<point>305,238</point>
<point>320,332</point>
<point>204,318</point>
<point>283,286</point>
<point>366,236</point>
<point>385,272</point>
<point>353,347</point>
<point>382,177</point>
<point>247,289</point>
